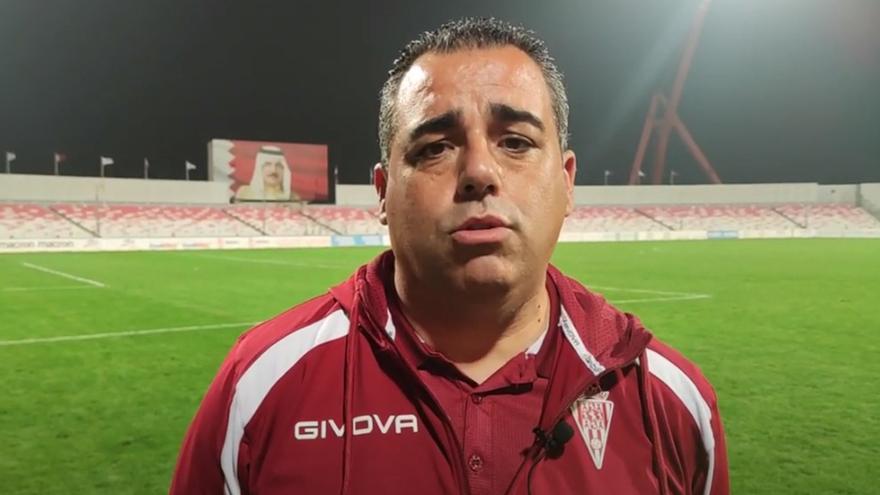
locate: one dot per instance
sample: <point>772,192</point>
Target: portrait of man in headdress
<point>271,178</point>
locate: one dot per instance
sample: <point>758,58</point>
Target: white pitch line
<point>53,287</point>
<point>672,296</point>
<point>193,328</point>
<point>302,264</point>
<point>647,291</point>
<point>663,299</point>
<point>130,333</point>
<point>65,275</point>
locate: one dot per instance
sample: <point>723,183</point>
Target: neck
<point>477,333</point>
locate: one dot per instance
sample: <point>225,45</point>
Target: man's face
<point>477,187</point>
<point>273,173</point>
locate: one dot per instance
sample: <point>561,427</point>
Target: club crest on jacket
<point>592,415</point>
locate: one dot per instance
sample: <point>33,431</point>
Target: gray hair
<point>463,34</point>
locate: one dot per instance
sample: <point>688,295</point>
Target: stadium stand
<point>719,217</point>
<point>154,221</point>
<point>822,217</point>
<point>278,220</point>
<point>610,219</point>
<point>347,220</point>
<point>76,220</point>
<point>33,221</point>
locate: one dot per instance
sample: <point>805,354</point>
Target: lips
<point>481,230</point>
<point>482,223</point>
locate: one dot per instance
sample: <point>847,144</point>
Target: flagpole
<point>57,159</point>
<point>105,162</point>
<point>146,169</point>
<point>189,166</point>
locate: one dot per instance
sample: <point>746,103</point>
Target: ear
<point>569,170</point>
<point>380,181</point>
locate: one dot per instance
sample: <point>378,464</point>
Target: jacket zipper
<point>569,400</point>
<point>463,486</point>
<point>461,481</point>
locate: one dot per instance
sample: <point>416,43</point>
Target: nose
<point>479,174</point>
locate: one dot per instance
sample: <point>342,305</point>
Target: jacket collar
<point>598,338</point>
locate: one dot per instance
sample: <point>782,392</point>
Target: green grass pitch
<point>786,330</point>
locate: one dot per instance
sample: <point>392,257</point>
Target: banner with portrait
<point>265,171</point>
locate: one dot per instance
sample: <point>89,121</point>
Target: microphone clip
<point>553,444</point>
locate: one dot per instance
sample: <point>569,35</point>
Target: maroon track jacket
<point>319,400</point>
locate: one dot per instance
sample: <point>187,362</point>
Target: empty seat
<point>33,221</point>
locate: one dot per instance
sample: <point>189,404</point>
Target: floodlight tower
<point>661,128</point>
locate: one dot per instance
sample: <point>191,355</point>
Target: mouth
<point>481,230</point>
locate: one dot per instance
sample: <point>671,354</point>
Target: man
<point>460,361</point>
<point>271,178</point>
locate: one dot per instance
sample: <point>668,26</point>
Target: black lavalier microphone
<point>551,444</point>
<point>554,442</point>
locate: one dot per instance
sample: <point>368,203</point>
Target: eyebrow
<point>507,113</point>
<point>437,124</point>
<point>452,119</point>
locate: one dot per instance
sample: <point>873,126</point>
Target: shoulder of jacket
<point>678,372</point>
<point>681,391</point>
<point>320,314</point>
<point>686,406</point>
<point>603,327</point>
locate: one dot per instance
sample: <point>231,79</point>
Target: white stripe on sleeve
<point>261,376</point>
<point>686,391</point>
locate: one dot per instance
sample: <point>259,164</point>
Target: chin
<point>487,273</point>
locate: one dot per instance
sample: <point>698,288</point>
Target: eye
<point>434,150</point>
<point>516,144</point>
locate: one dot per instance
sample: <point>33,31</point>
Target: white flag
<point>9,157</point>
<point>190,166</point>
<point>106,161</point>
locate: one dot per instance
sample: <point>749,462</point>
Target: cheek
<point>542,198</point>
<point>415,202</point>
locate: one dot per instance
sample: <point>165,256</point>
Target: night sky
<point>780,90</point>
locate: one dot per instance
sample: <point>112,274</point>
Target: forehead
<point>440,82</point>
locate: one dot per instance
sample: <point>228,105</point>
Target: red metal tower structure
<point>661,128</point>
